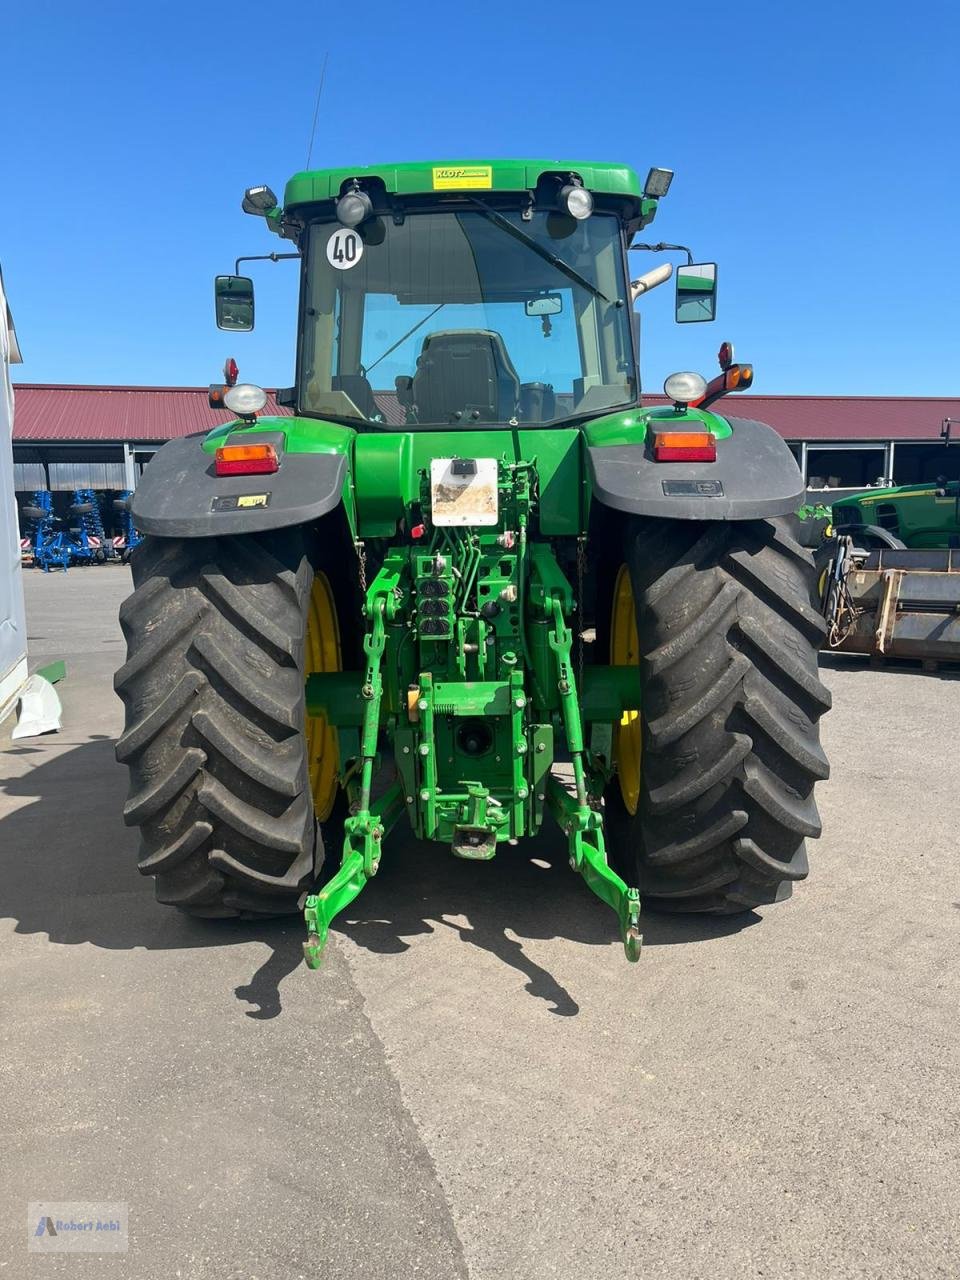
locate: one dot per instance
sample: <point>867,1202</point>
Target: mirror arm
<point>716,388</point>
<point>262,257</point>
<point>662,248</point>
<point>734,378</point>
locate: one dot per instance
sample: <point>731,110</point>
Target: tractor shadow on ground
<point>68,869</point>
<point>526,893</point>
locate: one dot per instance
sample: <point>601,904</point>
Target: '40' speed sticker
<point>344,249</point>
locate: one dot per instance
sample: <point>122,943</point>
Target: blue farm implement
<point>48,543</point>
<point>86,540</point>
<point>88,529</point>
<point>53,544</point>
<point>129,536</point>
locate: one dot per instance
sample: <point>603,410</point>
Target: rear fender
<point>181,496</point>
<point>755,476</point>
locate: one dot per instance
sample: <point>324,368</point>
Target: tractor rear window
<point>456,319</point>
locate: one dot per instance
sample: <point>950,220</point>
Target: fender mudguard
<point>181,496</point>
<point>883,536</point>
<point>755,476</point>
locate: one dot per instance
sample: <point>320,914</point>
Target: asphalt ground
<point>476,1083</point>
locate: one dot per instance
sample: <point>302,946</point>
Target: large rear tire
<point>714,799</point>
<point>216,736</point>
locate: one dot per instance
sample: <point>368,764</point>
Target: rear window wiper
<point>518,234</point>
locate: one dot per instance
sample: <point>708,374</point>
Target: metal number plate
<point>240,501</point>
<point>692,489</point>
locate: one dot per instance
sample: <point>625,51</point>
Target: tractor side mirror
<point>233,297</point>
<point>696,292</point>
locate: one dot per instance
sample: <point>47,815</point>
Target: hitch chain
<point>360,548</point>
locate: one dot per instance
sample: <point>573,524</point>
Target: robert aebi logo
<point>47,1226</point>
<point>77,1226</point>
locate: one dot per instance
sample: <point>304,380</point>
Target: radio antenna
<point>316,109</point>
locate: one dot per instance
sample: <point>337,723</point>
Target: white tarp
<point>13,624</point>
<point>40,709</point>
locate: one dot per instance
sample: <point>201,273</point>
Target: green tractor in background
<point>890,580</point>
<point>471,581</point>
<point>915,516</point>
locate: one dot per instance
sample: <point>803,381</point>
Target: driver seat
<point>465,375</point>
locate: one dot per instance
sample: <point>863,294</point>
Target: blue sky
<point>816,151</point>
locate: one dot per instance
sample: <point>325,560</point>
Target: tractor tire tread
<point>158,791</point>
<point>166,856</point>
<point>728,633</point>
<point>214,696</point>
<point>146,729</point>
<point>264,766</point>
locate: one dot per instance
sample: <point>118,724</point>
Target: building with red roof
<point>100,437</point>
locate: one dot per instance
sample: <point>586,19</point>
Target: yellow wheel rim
<point>625,652</point>
<point>322,653</point>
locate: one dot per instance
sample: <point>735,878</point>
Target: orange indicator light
<point>684,446</point>
<point>246,460</point>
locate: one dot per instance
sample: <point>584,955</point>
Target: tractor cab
<point>487,295</point>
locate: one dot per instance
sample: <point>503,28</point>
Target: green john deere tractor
<point>471,581</point>
<point>914,516</point>
<point>890,580</point>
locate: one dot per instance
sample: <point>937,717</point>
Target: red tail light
<point>684,446</point>
<point>246,460</point>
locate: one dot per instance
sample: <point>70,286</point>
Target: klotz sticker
<point>344,248</point>
<point>464,177</point>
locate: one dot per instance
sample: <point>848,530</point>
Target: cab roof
<point>424,176</point>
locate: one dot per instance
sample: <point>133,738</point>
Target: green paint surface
<point>301,435</point>
<point>417,177</point>
<point>632,426</point>
<point>388,466</point>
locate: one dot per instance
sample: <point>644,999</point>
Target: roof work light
<point>576,199</point>
<point>657,183</point>
<point>258,200</point>
<point>354,207</point>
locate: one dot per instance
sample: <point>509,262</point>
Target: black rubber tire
<point>213,688</point>
<point>729,629</point>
